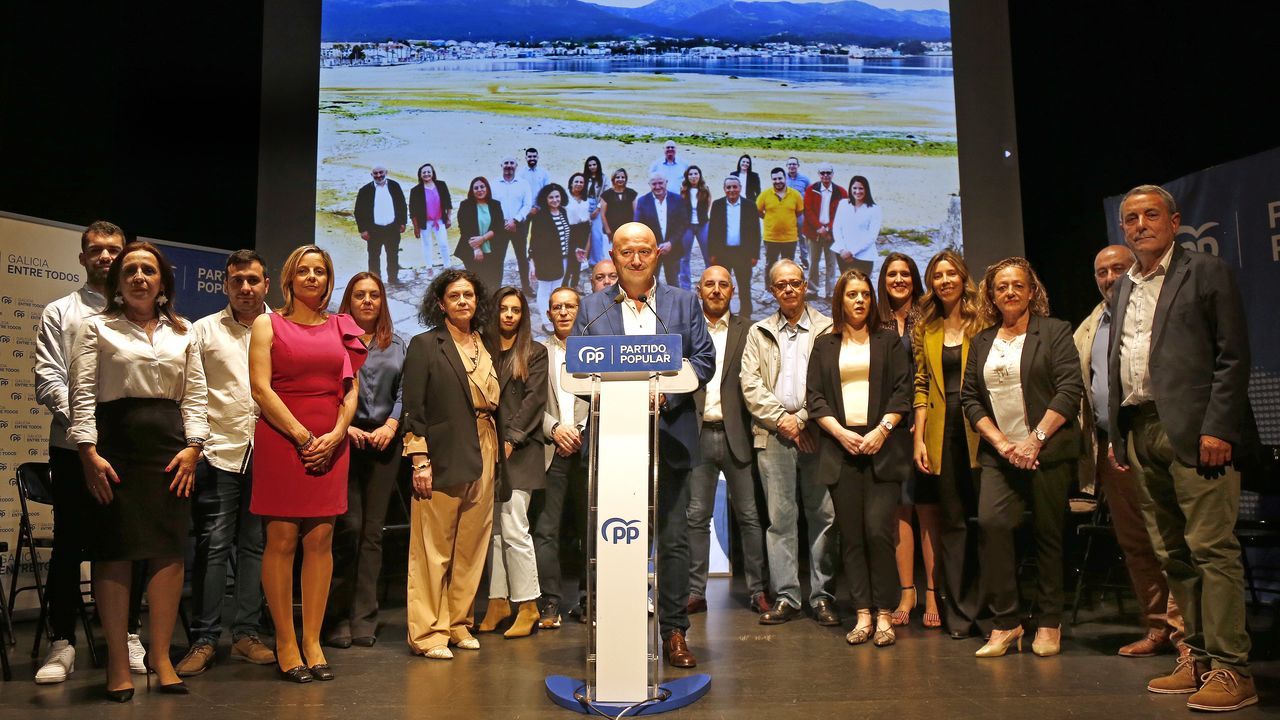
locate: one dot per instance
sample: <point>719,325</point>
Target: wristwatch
<point>888,426</point>
<point>1040,434</point>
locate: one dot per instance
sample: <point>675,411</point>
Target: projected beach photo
<point>437,94</point>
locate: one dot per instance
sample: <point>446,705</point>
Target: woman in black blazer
<point>479,247</point>
<point>430,208</point>
<point>452,431</point>
<point>1021,393</point>
<point>522,373</point>
<point>750,178</point>
<point>549,242</point>
<point>859,391</point>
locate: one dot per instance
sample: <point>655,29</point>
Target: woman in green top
<point>481,243</point>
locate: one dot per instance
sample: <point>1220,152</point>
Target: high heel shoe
<point>1048,641</point>
<point>902,615</point>
<point>178,688</point>
<point>120,696</point>
<point>931,619</point>
<point>499,610</point>
<point>526,620</point>
<point>998,647</point>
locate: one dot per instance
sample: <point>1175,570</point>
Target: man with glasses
<point>775,365</point>
<point>564,425</point>
<point>820,202</point>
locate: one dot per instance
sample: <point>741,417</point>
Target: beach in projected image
<point>866,88</point>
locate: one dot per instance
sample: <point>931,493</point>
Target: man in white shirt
<point>533,176</point>
<point>516,199</point>
<point>381,215</point>
<point>668,166</point>
<point>725,445</point>
<point>60,323</point>
<point>775,365</point>
<point>563,424</point>
<point>224,481</point>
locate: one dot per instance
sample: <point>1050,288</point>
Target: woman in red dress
<point>302,371</point>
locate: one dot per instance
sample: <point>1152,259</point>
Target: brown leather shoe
<point>1156,642</point>
<point>1223,690</point>
<point>1184,679</point>
<point>676,651</point>
<point>780,612</point>
<point>824,612</point>
<point>198,659</point>
<point>251,649</point>
<point>695,605</point>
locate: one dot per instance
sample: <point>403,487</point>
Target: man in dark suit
<point>380,219</point>
<point>725,443</point>
<point>1179,405</point>
<point>648,308</point>
<point>665,215</point>
<point>733,239</point>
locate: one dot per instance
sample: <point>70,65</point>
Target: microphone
<point>617,299</point>
<point>645,299</point>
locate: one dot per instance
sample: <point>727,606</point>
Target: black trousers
<point>357,539</point>
<point>773,251</point>
<point>865,514</point>
<point>958,548</point>
<point>72,506</point>
<point>673,549</point>
<point>741,270</point>
<point>1005,494</point>
<point>384,237</point>
<point>566,482</point>
<point>519,240</point>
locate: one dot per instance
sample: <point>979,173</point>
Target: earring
<point>119,299</point>
<point>161,299</point>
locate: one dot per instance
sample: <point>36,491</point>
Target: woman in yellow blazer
<point>945,445</point>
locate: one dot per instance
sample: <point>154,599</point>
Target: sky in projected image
<point>867,87</point>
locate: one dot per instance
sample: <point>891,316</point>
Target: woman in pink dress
<point>302,371</point>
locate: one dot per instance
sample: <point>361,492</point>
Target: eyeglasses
<point>784,284</point>
<point>563,307</point>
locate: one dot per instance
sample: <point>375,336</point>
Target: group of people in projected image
<point>555,230</point>
<point>944,395</point>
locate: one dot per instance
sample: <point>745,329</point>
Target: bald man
<point>1120,487</point>
<point>603,275</point>
<point>648,308</point>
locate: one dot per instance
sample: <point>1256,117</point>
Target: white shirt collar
<point>1161,267</point>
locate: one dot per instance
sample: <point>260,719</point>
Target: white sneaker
<point>58,664</point>
<point>137,656</point>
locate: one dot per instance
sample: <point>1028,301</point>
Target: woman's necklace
<point>475,350</point>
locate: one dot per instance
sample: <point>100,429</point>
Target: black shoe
<point>178,688</point>
<point>364,640</point>
<point>300,674</point>
<point>824,611</point>
<point>960,634</point>
<point>341,642</point>
<point>321,671</point>
<point>780,612</point>
<point>549,614</point>
<point>579,612</point>
<point>120,696</point>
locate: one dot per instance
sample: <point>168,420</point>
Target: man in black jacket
<point>725,442</point>
<point>381,219</point>
<point>733,240</point>
<point>1179,377</point>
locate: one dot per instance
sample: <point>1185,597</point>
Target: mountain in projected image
<point>538,20</point>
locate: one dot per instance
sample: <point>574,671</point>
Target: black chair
<point>1098,527</point>
<point>401,507</point>
<point>35,485</point>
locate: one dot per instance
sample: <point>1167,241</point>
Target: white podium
<point>623,377</point>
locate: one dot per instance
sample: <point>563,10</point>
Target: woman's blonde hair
<point>931,308</point>
<point>291,268</point>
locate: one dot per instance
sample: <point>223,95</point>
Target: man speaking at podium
<point>638,305</point>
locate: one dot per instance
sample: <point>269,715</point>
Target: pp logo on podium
<point>616,530</point>
<point>591,354</point>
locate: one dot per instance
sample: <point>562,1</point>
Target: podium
<point>623,376</point>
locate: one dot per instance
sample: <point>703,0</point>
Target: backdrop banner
<point>41,265</point>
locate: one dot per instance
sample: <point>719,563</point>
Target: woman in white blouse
<point>138,403</point>
<point>579,211</point>
<point>859,392</point>
<point>856,226</point>
<point>1021,392</point>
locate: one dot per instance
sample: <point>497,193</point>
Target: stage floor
<point>798,670</point>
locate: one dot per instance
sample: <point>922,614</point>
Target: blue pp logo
<point>616,530</point>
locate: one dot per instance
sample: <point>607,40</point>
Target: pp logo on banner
<point>616,530</point>
<point>590,354</point>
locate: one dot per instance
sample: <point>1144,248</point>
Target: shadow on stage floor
<point>798,670</point>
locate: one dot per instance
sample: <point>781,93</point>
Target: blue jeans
<point>599,243</point>
<point>699,232</point>
<point>716,459</point>
<point>781,464</point>
<point>220,508</point>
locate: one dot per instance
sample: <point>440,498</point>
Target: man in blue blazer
<point>647,308</point>
<point>666,216</point>
<point>1179,386</point>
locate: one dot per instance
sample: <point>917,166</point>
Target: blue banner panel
<point>622,353</point>
<point>198,274</point>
